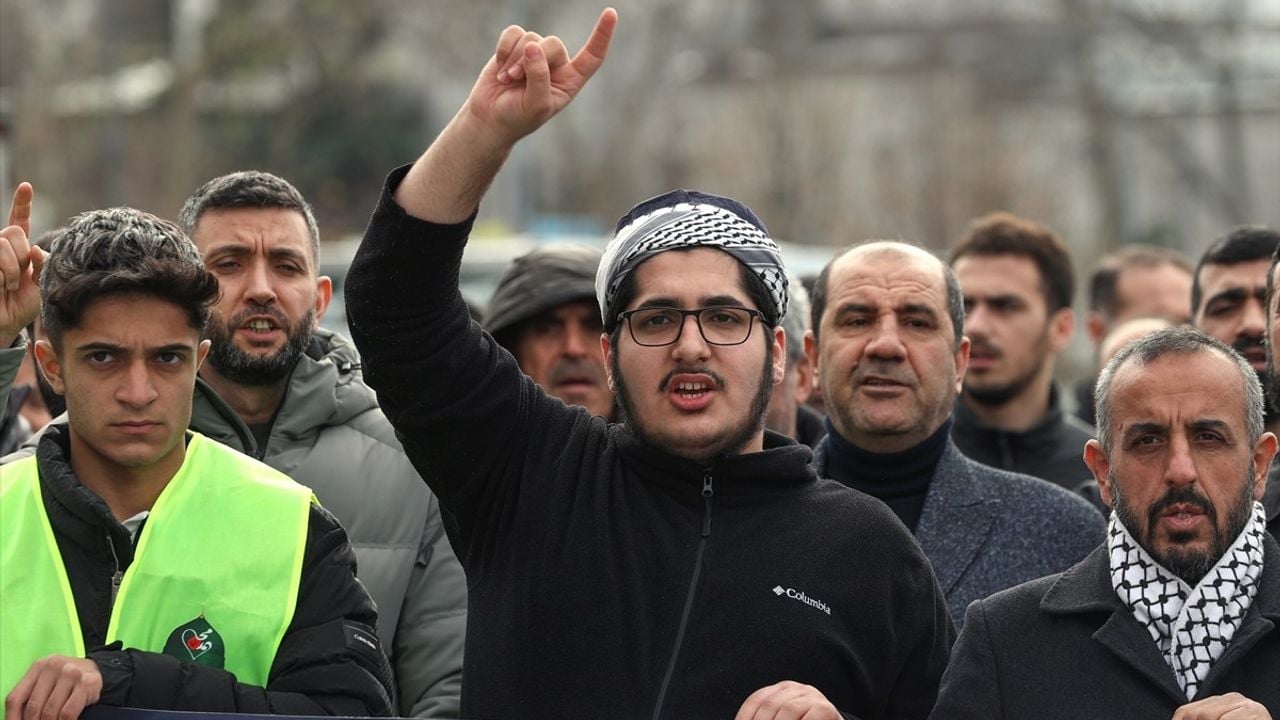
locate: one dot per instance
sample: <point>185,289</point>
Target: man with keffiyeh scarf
<point>1176,614</point>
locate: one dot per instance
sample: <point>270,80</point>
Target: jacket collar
<point>956,519</point>
<point>325,388</point>
<point>1043,434</point>
<point>783,466</point>
<point>95,521</point>
<point>1086,589</point>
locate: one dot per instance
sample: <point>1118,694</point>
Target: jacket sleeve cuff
<point>116,667</point>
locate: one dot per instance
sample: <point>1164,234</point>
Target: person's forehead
<point>1250,275</point>
<point>1133,283</point>
<point>690,274</point>
<point>115,319</point>
<point>989,275</point>
<point>1203,383</point>
<point>904,275</point>
<point>279,227</point>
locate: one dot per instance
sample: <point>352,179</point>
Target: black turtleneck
<point>901,479</point>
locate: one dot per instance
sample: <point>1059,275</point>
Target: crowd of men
<point>611,490</point>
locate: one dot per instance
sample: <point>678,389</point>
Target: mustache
<point>1247,342</point>
<point>716,378</point>
<point>1184,495</point>
<point>576,368</point>
<point>256,309</point>
<point>982,345</point>
<point>891,370</point>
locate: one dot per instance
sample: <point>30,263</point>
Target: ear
<point>1061,326</point>
<point>49,364</point>
<point>324,295</point>
<point>1094,325</point>
<point>804,377</point>
<point>779,354</point>
<point>1264,452</point>
<point>606,349</point>
<point>202,352</point>
<point>962,362</point>
<point>1100,465</point>
<point>811,354</point>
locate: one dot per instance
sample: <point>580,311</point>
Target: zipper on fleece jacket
<point>707,493</point>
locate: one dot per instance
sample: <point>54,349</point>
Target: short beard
<point>1002,395</point>
<point>735,439</point>
<point>1189,565</point>
<point>245,368</point>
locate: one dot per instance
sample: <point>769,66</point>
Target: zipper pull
<point>116,577</point>
<point>707,492</point>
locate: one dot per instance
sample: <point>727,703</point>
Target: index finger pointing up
<point>591,56</point>
<point>20,210</point>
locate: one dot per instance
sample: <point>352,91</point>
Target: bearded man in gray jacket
<point>281,389</point>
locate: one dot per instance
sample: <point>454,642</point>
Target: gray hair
<point>249,189</point>
<point>796,321</point>
<point>1177,341</point>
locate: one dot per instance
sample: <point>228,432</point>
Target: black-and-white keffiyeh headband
<point>691,224</point>
<point>1191,626</point>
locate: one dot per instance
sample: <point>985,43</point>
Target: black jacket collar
<point>783,466</point>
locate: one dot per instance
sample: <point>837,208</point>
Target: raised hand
<point>20,265</point>
<point>530,78</point>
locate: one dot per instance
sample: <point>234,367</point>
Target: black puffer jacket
<point>317,670</point>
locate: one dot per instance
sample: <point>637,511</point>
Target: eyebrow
<point>904,309</point>
<point>1239,294</point>
<point>100,346</point>
<point>704,301</point>
<point>1144,428</point>
<point>240,249</point>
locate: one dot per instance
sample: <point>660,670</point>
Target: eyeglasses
<point>657,326</point>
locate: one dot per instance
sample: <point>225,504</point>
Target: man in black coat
<point>1177,614</point>
<point>683,563</point>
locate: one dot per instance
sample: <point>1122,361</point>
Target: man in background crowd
<point>279,388</point>
<point>1018,285</point>
<point>1271,500</point>
<point>788,413</point>
<point>544,312</point>
<point>1229,293</point>
<point>888,342</point>
<point>1137,281</point>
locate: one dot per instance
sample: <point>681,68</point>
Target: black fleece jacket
<point>318,669</point>
<point>606,578</point>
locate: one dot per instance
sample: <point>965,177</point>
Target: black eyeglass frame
<point>752,315</point>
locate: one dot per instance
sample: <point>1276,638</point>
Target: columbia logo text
<point>797,595</point>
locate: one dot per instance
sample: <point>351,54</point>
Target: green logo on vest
<point>196,641</point>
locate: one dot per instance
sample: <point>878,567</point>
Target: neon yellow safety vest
<point>223,543</point>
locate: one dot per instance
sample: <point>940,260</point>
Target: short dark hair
<point>1003,233</point>
<point>1103,282</point>
<point>121,251</point>
<point>751,282</point>
<point>1242,244</point>
<point>1177,341</point>
<point>955,299</point>
<point>249,189</point>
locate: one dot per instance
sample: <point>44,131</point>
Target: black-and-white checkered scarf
<point>1191,626</point>
<point>691,225</point>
